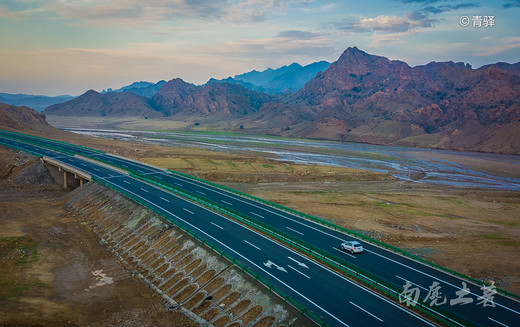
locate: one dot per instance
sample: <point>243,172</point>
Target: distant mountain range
<point>36,102</point>
<point>145,89</point>
<point>285,79</point>
<point>360,97</point>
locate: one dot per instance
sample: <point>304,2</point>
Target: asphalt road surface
<point>335,299</point>
<point>435,287</point>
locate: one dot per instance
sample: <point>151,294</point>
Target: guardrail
<point>360,274</point>
<point>51,140</point>
<point>295,212</point>
<point>347,231</point>
<point>21,149</point>
<point>222,253</point>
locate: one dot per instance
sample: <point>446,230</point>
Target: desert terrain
<point>53,270</point>
<point>473,231</point>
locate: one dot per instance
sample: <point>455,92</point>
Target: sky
<point>56,47</point>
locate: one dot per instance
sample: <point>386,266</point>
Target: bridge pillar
<point>65,184</point>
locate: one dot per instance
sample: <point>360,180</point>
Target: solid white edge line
<point>298,271</point>
<point>304,223</point>
<point>245,258</point>
<point>498,322</point>
<point>289,249</point>
<point>373,315</point>
<point>256,247</point>
<point>216,225</point>
<point>434,278</point>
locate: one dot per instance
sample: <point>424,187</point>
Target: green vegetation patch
<point>492,236</point>
<point>504,223</point>
<point>15,253</point>
<point>21,249</point>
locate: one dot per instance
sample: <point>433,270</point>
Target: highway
<point>335,299</point>
<point>500,311</point>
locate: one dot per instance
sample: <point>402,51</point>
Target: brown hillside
<point>21,119</point>
<point>114,104</point>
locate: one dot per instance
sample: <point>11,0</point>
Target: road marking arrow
<point>301,264</point>
<point>269,264</point>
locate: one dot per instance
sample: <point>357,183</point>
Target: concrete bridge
<point>66,175</point>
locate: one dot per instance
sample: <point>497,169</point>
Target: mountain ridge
<point>363,98</point>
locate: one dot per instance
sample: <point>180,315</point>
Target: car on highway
<point>352,247</point>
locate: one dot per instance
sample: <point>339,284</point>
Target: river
<point>451,168</point>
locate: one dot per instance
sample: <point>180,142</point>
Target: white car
<point>352,246</point>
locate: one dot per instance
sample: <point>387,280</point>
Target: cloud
<point>137,13</point>
<point>118,11</point>
<point>447,8</point>
<point>505,45</point>
<point>418,1</point>
<point>283,47</point>
<point>388,24</point>
<point>512,4</point>
<point>12,15</point>
<point>297,34</point>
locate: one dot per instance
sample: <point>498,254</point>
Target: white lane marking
<point>96,169</point>
<point>435,278</point>
<point>187,211</point>
<point>142,172</point>
<point>350,255</point>
<point>216,225</point>
<point>83,164</point>
<point>126,182</point>
<point>298,271</point>
<point>164,199</point>
<point>200,192</point>
<point>254,213</point>
<point>231,204</point>
<point>144,190</point>
<point>256,247</point>
<point>406,280</point>
<point>357,306</point>
<point>295,231</point>
<point>288,249</point>
<point>270,264</point>
<point>498,322</point>
<point>159,177</point>
<point>179,184</point>
<point>301,264</point>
